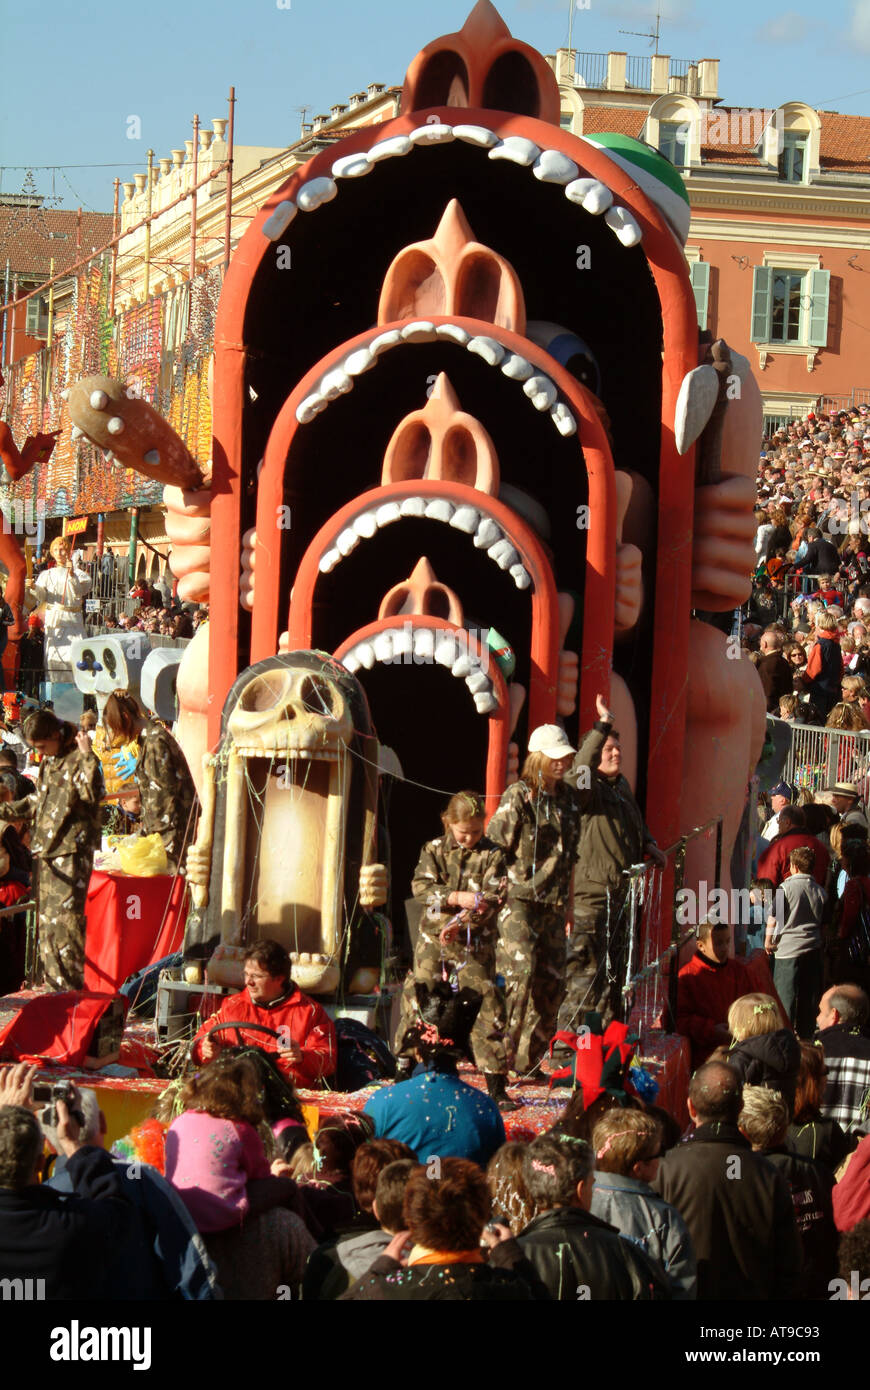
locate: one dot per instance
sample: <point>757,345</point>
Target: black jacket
<point>739,1212</point>
<point>821,558</point>
<point>772,1060</point>
<point>821,1140</point>
<point>389,1282</point>
<point>65,1240</point>
<point>811,1186</point>
<point>777,679</point>
<point>576,1255</point>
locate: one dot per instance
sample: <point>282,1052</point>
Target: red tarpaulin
<point>131,922</point>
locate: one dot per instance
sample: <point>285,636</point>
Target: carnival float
<point>472,464</point>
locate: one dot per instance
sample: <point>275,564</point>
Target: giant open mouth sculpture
<point>458,391</point>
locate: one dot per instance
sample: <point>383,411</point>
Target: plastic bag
<point>142,855</point>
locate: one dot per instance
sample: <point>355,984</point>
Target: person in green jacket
<point>613,837</point>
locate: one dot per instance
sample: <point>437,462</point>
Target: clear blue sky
<point>80,69</point>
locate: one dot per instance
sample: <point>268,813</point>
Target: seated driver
<point>305,1048</point>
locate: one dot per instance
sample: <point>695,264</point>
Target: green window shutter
<point>700,272</point>
<point>762,286</point>
<point>31,326</point>
<point>820,289</point>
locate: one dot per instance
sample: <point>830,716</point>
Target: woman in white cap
<point>537,824</point>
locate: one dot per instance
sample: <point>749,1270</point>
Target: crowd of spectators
<point>217,1198</point>
<point>807,625</point>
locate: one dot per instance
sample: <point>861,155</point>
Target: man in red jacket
<point>707,986</point>
<point>305,1047</point>
<point>774,863</point>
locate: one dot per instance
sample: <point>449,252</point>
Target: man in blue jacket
<point>164,1256</point>
<point>54,1247</point>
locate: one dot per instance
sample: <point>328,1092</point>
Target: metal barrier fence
<point>649,992</point>
<point>819,757</point>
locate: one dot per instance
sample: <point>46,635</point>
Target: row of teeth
<point>540,389</point>
<point>429,645</point>
<point>487,534</point>
<point>282,754</point>
<point>309,958</point>
<point>548,166</point>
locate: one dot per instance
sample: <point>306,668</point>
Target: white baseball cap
<point>552,741</point>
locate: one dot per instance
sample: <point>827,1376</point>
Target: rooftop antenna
<point>303,112</point>
<point>651,34</point>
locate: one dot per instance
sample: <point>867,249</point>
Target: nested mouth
<point>406,643</point>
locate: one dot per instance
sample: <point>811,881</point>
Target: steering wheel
<point>240,1028</point>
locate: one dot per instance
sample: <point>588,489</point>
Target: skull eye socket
<point>263,693</point>
<point>316,696</point>
<point>109,661</point>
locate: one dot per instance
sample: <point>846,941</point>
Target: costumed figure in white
<point>61,590</point>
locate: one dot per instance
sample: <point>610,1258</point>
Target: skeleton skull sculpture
<point>290,819</point>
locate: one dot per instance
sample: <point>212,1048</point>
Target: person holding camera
<point>59,1242</point>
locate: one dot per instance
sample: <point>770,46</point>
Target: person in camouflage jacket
<point>166,789</point>
<point>537,824</point>
<point>614,836</point>
<point>65,820</point>
<point>461,875</point>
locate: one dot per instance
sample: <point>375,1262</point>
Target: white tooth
<point>424,643</point>
<point>76,433</point>
<point>487,534</point>
<point>350,663</point>
<point>476,135</point>
<point>347,541</point>
<point>541,391</point>
<point>152,458</point>
<point>487,348</point>
<point>563,419</point>
<point>115,425</point>
<point>465,519</point>
<point>279,220</point>
<point>517,149</point>
<point>433,133</point>
<point>477,681</point>
<point>383,645</point>
<point>329,561</point>
<point>366,525</point>
<point>335,383</point>
<point>389,149</point>
<point>485,702</point>
<point>352,166</point>
<point>439,509</point>
<point>455,332</point>
<point>64,395</point>
<point>463,666</point>
<point>421,331</point>
<point>504,554</point>
<point>413,506</point>
<point>389,512</point>
<point>626,229</point>
<point>311,406</point>
<point>384,341</point>
<point>520,576</point>
<point>445,650</point>
<point>366,654</point>
<point>553,167</point>
<point>699,391</point>
<point>315,192</point>
<point>517,368</point>
<point>99,400</point>
<point>592,195</point>
<point>360,361</point>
